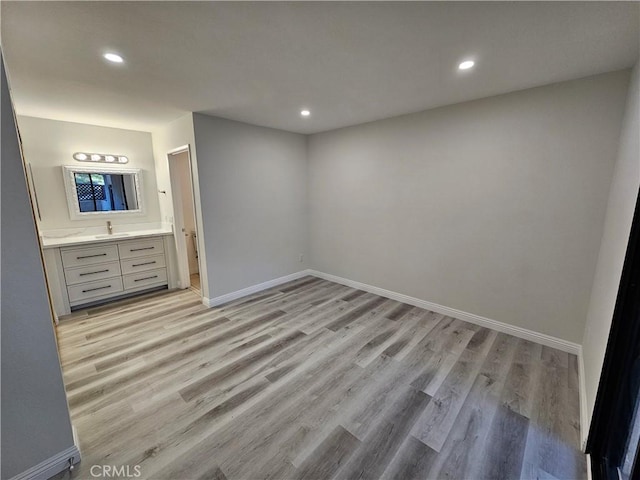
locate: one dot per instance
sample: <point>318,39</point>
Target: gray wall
<point>50,144</point>
<point>35,417</point>
<point>253,195</point>
<point>494,207</point>
<point>620,207</point>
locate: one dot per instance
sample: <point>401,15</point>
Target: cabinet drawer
<point>141,264</point>
<point>90,273</point>
<point>89,256</point>
<point>142,279</point>
<point>141,248</point>
<point>89,290</point>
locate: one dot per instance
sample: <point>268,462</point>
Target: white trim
<point>519,332</point>
<point>195,193</point>
<point>589,475</point>
<point>182,258</point>
<point>582,385</point>
<point>74,433</point>
<point>177,150</point>
<point>202,247</point>
<point>228,297</point>
<point>51,466</point>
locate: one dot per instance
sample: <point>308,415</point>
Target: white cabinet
<point>140,248</point>
<point>91,291</point>
<point>90,273</point>
<point>134,265</point>
<point>89,256</point>
<point>137,281</point>
<point>94,272</point>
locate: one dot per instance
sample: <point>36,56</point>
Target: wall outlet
<point>301,258</point>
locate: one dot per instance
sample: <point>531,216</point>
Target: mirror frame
<point>72,193</point>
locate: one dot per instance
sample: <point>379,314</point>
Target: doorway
<point>614,437</point>
<point>184,218</point>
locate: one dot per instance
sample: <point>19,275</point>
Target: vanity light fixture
<point>100,157</point>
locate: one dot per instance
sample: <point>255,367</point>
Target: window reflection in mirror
<point>105,192</point>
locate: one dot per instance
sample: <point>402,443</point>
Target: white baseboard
<point>214,302</point>
<point>589,474</point>
<point>519,332</point>
<point>52,466</point>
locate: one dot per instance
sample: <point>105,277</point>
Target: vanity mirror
<point>93,190</point>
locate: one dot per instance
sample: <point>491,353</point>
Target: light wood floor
<point>195,281</point>
<point>314,380</point>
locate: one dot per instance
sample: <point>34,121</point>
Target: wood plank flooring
<point>195,281</point>
<point>314,380</point>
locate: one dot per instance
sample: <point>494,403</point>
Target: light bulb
<point>113,57</point>
<point>466,65</point>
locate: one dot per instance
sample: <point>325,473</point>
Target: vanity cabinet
<point>88,273</point>
<point>89,256</point>
<point>112,269</point>
<point>91,291</point>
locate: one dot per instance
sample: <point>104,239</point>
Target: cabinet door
<point>85,292</point>
<point>140,248</point>
<point>79,257</point>
<point>141,264</point>
<point>140,280</point>
<point>90,273</point>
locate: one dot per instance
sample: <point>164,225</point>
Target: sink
<point>113,235</point>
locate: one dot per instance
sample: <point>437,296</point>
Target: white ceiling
<point>262,62</point>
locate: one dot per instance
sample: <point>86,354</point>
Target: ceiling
<point>263,62</point>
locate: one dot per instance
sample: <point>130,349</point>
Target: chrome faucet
<point>109,227</point>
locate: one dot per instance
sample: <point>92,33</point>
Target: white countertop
<point>63,241</point>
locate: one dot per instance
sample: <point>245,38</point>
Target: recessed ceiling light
<point>113,57</point>
<point>466,65</point>
<point>305,113</point>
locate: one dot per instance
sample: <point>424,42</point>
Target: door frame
<point>182,257</point>
<point>617,393</point>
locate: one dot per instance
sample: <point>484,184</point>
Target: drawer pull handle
<point>141,264</point>
<point>93,273</point>
<point>143,248</point>
<point>91,256</point>
<point>97,288</point>
<point>145,278</point>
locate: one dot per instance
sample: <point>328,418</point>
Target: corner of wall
<point>584,415</point>
<point>307,207</point>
